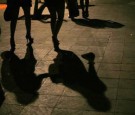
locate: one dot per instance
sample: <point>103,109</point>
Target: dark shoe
<point>12,44</point>
<point>56,44</point>
<point>12,49</point>
<point>29,40</point>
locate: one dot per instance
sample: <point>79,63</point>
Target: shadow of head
<point>18,76</point>
<point>16,79</point>
<point>71,72</point>
<point>89,56</point>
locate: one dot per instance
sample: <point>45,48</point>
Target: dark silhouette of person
<point>56,9</point>
<point>84,6</point>
<point>14,7</point>
<point>18,75</point>
<point>72,6</point>
<point>69,70</point>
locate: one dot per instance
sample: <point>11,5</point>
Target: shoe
<point>56,44</point>
<point>12,44</point>
<point>29,39</point>
<point>85,14</point>
<point>12,49</point>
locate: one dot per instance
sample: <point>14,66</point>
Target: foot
<point>12,49</point>
<point>56,44</point>
<point>85,14</point>
<point>12,44</point>
<point>29,39</point>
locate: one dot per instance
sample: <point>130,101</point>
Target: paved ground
<point>105,88</point>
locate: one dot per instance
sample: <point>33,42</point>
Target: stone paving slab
<point>2,1</point>
<point>109,35</point>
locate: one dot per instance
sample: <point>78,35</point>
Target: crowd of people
<point>73,8</point>
<point>56,9</point>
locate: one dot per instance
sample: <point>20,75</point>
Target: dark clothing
<point>17,3</point>
<point>73,8</point>
<point>26,2</point>
<point>55,3</point>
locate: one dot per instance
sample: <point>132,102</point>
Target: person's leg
<point>52,11</point>
<point>66,1</point>
<point>40,10</point>
<point>82,6</point>
<point>13,23</point>
<point>59,21</point>
<point>73,9</point>
<point>87,8</point>
<point>58,24</point>
<point>53,19</point>
<point>26,10</point>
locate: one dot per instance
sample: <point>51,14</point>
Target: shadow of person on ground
<point>97,23</point>
<point>18,75</point>
<point>72,73</point>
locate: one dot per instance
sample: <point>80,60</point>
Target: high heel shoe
<point>29,39</point>
<point>56,44</point>
<point>12,44</point>
<point>12,49</point>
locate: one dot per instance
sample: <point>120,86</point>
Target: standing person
<point>84,6</point>
<point>56,9</point>
<point>72,6</point>
<point>13,7</point>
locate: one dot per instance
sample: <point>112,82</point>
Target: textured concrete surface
<point>76,86</point>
